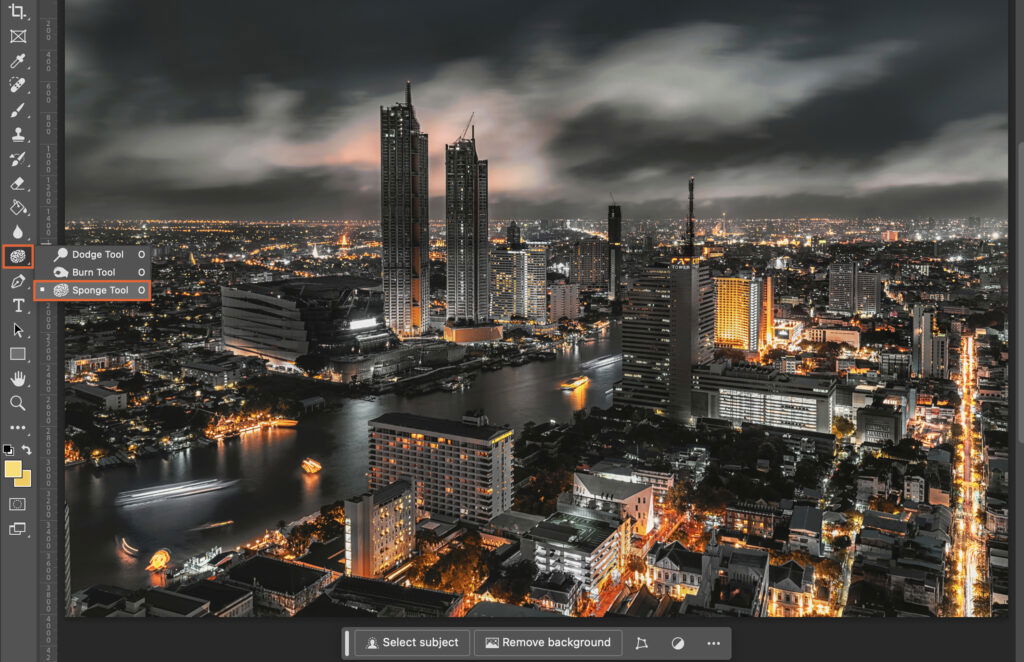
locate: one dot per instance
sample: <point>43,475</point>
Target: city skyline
<point>565,123</point>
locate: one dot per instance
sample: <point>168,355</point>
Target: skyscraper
<point>868,300</point>
<point>405,232</point>
<point>743,312</point>
<point>842,285</point>
<point>929,347</point>
<point>614,251</point>
<point>667,327</point>
<point>588,263</point>
<point>519,282</point>
<point>853,291</point>
<point>467,240</point>
<point>513,235</point>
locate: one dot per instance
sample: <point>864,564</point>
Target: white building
<point>519,283</point>
<point>460,469</point>
<point>563,301</point>
<point>673,570</point>
<point>380,529</point>
<point>627,500</point>
<point>589,545</point>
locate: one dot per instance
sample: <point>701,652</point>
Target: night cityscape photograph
<point>540,309</point>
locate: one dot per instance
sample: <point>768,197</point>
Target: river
<point>272,487</point>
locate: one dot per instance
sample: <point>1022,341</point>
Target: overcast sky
<point>269,109</point>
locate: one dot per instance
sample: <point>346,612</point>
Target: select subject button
<point>412,644</point>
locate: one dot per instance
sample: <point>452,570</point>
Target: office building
<point>459,469</point>
<point>380,529</point>
<point>588,263</point>
<point>519,283</point>
<point>879,423</point>
<point>466,237</point>
<point>929,346</point>
<point>668,321</point>
<point>743,312</point>
<point>614,252</point>
<point>284,320</point>
<point>563,301</point>
<point>405,231</point>
<point>763,395</point>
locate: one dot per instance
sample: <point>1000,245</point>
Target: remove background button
<point>92,290</point>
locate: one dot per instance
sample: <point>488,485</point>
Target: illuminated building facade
<point>929,347</point>
<point>761,395</point>
<point>614,251</point>
<point>743,313</point>
<point>466,239</point>
<point>588,263</point>
<point>519,283</point>
<point>405,232</point>
<point>668,323</point>
<point>563,301</point>
<point>380,529</point>
<point>459,469</point>
<point>853,291</point>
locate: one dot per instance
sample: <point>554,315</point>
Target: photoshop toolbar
<point>508,330</point>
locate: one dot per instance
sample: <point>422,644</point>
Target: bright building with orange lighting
<point>743,312</point>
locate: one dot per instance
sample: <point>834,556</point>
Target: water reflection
<point>273,486</point>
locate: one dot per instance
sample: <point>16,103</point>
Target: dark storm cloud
<point>261,110</point>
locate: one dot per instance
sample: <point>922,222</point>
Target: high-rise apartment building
<point>614,251</point>
<point>458,469</point>
<point>588,263</point>
<point>929,355</point>
<point>853,291</point>
<point>868,301</point>
<point>743,312</point>
<point>668,323</point>
<point>519,283</point>
<point>380,529</point>
<point>563,301</point>
<point>405,231</point>
<point>466,237</point>
<point>842,283</point>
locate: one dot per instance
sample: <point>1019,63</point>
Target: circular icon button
<point>678,643</point>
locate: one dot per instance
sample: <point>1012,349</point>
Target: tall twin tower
<point>405,224</point>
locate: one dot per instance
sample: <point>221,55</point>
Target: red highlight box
<point>149,290</point>
<point>31,256</point>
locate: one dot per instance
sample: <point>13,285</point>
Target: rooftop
<point>274,575</point>
<point>441,426</point>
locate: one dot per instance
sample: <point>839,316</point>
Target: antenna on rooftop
<point>468,125</point>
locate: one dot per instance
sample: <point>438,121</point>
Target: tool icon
<point>15,82</point>
<point>19,36</point>
<point>17,281</point>
<point>18,184</point>
<point>17,137</point>
<point>18,379</point>
<point>17,11</point>
<point>16,159</point>
<point>14,113</point>
<point>18,207</point>
<point>22,477</point>
<point>18,331</point>
<point>17,61</point>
